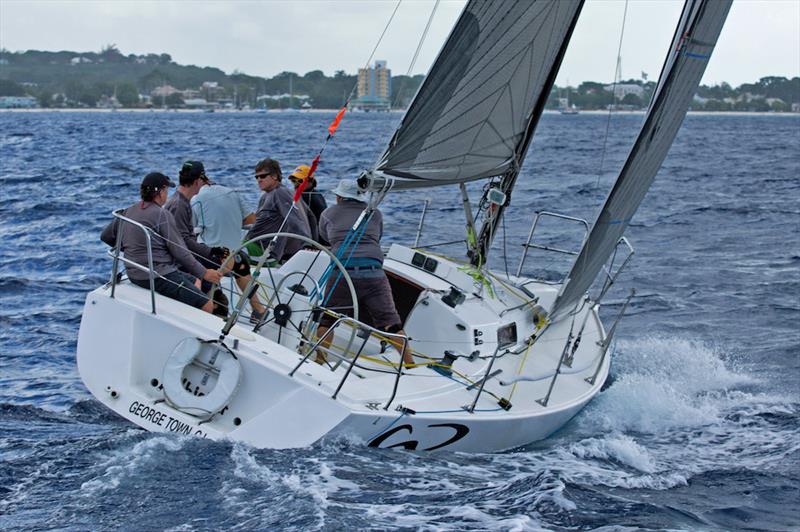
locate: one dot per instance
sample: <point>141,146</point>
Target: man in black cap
<point>191,179</point>
<point>169,251</point>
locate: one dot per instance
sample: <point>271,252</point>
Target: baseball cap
<point>157,181</point>
<point>191,170</point>
<point>300,173</point>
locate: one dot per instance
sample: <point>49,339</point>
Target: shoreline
<point>304,111</point>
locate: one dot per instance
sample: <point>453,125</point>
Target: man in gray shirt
<point>191,179</point>
<point>169,251</point>
<point>273,208</point>
<point>363,260</point>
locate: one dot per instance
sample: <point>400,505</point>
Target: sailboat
<point>567,108</point>
<point>501,359</point>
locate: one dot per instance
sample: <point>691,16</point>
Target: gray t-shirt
<point>217,214</point>
<point>337,220</point>
<point>180,208</point>
<point>272,209</point>
<point>169,249</point>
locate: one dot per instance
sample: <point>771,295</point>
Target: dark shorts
<point>240,267</point>
<point>177,285</point>
<point>375,302</point>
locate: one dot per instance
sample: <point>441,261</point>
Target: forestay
<point>697,33</point>
<point>477,104</point>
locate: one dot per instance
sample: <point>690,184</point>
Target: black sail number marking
<point>460,432</point>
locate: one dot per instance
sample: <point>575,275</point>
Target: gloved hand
<point>220,253</point>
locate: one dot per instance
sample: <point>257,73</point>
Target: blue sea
<point>698,429</point>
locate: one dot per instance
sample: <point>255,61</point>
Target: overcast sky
<point>761,37</point>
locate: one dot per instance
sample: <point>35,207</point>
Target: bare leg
<point>326,343</point>
<point>408,358</point>
<point>254,302</point>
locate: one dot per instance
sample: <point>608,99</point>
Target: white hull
<point>123,348</point>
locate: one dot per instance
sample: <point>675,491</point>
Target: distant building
<point>163,91</point>
<point>79,60</point>
<point>374,88</point>
<point>623,89</point>
<point>199,103</point>
<point>211,90</point>
<point>17,102</point>
<point>108,102</point>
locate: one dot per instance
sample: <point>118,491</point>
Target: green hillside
<point>84,79</point>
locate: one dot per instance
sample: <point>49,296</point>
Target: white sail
<point>479,104</point>
<point>697,33</point>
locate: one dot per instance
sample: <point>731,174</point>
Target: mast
<point>488,229</point>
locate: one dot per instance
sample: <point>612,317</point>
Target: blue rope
<point>360,233</point>
<point>351,241</point>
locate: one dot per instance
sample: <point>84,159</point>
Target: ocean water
<point>698,429</point>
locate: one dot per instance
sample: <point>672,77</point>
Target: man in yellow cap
<point>314,200</point>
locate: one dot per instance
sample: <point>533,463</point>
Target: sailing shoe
<point>256,317</point>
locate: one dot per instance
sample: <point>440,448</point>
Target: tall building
<point>374,87</point>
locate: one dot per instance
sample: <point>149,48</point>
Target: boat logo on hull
<point>460,432</point>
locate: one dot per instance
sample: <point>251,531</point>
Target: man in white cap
<point>364,265</point>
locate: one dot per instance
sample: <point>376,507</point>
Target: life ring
<point>200,378</point>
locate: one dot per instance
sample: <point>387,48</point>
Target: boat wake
<point>679,414</point>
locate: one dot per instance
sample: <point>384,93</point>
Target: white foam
<point>125,463</point>
<point>623,449</point>
<point>674,411</point>
<point>662,384</point>
<point>310,479</point>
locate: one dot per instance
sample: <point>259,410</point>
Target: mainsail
<point>478,106</point>
<point>698,30</point>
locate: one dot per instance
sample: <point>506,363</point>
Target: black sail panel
<point>699,28</point>
<point>474,108</point>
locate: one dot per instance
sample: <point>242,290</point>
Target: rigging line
<point>419,48</point>
<point>617,74</point>
<point>371,55</point>
<point>505,251</point>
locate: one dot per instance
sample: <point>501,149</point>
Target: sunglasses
<point>262,176</point>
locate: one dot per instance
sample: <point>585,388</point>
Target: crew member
<point>273,208</point>
<point>314,200</point>
<point>169,251</point>
<point>364,265</point>
<point>217,217</point>
<point>191,179</point>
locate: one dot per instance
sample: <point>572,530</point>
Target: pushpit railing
<point>528,243</point>
<point>115,267</point>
